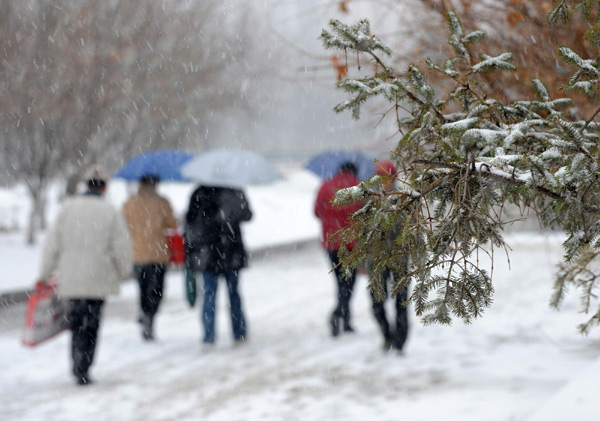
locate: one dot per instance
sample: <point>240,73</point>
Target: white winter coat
<point>89,247</point>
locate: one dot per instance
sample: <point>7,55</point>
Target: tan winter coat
<point>89,247</point>
<point>148,216</point>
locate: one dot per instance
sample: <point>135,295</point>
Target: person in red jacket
<point>333,219</point>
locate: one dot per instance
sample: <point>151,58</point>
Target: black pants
<point>151,278</point>
<point>85,322</point>
<point>395,338</point>
<point>345,288</point>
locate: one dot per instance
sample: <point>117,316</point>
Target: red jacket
<point>333,218</point>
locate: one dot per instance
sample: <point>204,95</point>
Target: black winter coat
<point>212,235</point>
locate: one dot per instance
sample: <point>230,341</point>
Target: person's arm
<point>128,214</point>
<point>190,230</point>
<point>232,207</point>
<point>51,251</point>
<point>246,213</point>
<point>322,203</point>
<point>192,213</point>
<point>122,254</point>
<point>169,221</point>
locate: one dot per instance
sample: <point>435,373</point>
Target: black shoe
<point>147,328</point>
<point>348,328</point>
<point>399,348</point>
<point>335,325</point>
<point>388,345</point>
<point>84,380</point>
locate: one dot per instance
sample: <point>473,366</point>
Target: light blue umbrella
<point>164,164</point>
<point>327,164</point>
<point>230,168</point>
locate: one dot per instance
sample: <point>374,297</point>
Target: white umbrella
<point>230,168</point>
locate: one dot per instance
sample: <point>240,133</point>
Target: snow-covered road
<point>502,367</point>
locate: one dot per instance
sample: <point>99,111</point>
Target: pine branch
<point>589,121</point>
<point>460,168</point>
<point>484,171</point>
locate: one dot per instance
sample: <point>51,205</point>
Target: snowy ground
<point>506,366</point>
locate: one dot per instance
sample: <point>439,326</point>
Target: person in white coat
<point>88,247</point>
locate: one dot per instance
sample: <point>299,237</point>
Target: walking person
<point>333,218</point>
<point>393,337</point>
<point>148,217</point>
<point>88,245</point>
<point>214,246</point>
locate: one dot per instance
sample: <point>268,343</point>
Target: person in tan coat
<point>148,216</point>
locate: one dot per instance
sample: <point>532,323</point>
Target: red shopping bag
<point>46,315</point>
<point>176,248</point>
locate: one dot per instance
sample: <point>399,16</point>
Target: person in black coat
<point>214,246</point>
<point>394,336</point>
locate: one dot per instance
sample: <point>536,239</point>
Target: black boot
<point>347,327</point>
<point>83,380</point>
<point>147,333</point>
<point>388,344</point>
<point>335,325</point>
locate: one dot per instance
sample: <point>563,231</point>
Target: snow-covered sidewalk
<point>577,400</point>
<point>503,367</point>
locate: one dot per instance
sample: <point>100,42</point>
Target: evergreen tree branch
<point>485,171</point>
<point>460,170</point>
<point>592,118</point>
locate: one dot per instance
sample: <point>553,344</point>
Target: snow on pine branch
<point>587,69</point>
<point>463,124</point>
<point>357,37</point>
<point>588,66</point>
<point>540,90</point>
<point>503,61</point>
<point>475,36</point>
<point>586,86</point>
<point>373,86</point>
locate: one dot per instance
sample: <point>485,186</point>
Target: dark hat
<point>96,175</point>
<point>349,167</point>
<point>150,179</point>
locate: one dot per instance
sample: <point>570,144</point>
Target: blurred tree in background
<point>519,26</point>
<point>83,81</point>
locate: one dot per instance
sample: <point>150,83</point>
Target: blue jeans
<point>238,322</point>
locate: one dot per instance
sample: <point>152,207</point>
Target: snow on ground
<point>506,366</point>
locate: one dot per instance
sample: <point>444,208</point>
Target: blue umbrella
<point>327,164</point>
<point>163,164</point>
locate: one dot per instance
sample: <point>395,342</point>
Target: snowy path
<point>502,367</point>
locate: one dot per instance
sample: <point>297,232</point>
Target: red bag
<point>176,248</point>
<point>46,315</point>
